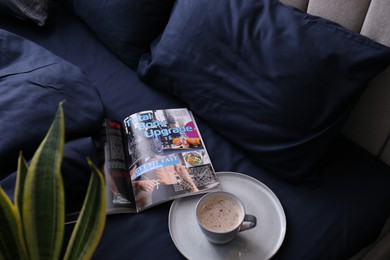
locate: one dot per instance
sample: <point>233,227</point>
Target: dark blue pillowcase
<point>277,82</point>
<point>32,83</point>
<point>126,27</point>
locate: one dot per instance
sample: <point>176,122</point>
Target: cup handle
<point>249,222</point>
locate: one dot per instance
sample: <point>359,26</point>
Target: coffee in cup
<point>221,216</point>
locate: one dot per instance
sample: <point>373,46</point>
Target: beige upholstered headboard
<point>369,123</point>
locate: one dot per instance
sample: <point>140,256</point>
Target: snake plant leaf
<point>20,180</point>
<point>43,199</point>
<point>11,236</point>
<point>90,224</point>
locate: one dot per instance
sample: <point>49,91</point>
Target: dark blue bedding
<point>33,82</point>
<point>330,216</point>
<point>277,82</point>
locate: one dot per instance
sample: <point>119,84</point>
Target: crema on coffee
<point>220,214</point>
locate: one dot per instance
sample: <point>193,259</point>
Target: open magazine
<point>152,157</point>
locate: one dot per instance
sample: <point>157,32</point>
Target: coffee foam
<point>220,214</point>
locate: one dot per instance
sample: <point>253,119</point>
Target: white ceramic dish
<point>262,242</point>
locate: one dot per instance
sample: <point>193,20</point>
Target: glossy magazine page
<point>167,157</point>
<point>153,157</point>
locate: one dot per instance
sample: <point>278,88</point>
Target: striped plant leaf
<point>43,199</point>
<point>90,224</point>
<point>20,181</point>
<point>33,228</point>
<point>11,237</point>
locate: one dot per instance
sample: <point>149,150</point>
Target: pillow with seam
<point>126,27</point>
<point>33,81</point>
<point>274,80</point>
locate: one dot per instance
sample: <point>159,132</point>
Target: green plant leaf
<point>90,224</point>
<point>20,181</point>
<point>43,198</point>
<point>11,237</point>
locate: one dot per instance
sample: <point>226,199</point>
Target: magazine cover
<point>152,157</point>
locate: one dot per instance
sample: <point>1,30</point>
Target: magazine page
<point>167,157</point>
<point>112,160</point>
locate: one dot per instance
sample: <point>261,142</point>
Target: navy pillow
<point>34,10</point>
<point>277,82</point>
<point>32,83</point>
<point>127,27</point>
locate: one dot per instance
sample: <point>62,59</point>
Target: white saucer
<point>262,242</point>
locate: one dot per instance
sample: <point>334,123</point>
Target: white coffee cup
<point>221,216</point>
